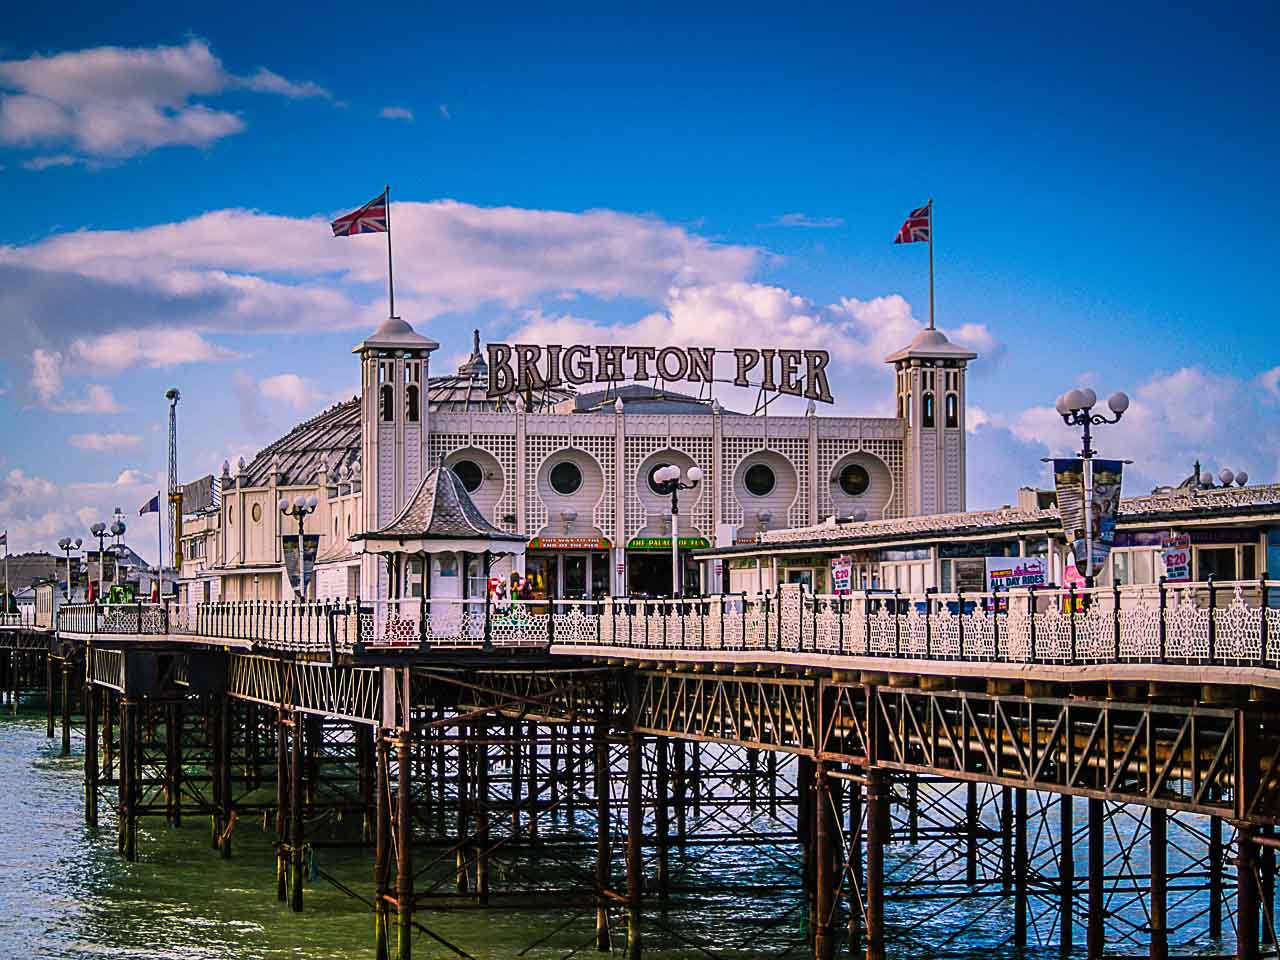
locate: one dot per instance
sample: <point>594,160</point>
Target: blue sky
<point>1102,179</point>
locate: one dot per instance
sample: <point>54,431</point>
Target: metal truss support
<point>68,668</point>
<point>297,761</point>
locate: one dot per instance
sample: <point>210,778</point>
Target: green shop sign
<point>664,543</point>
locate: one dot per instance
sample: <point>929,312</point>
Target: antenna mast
<point>174,491</point>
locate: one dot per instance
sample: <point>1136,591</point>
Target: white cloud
<point>104,442</point>
<point>858,334</point>
<point>396,113</point>
<point>46,374</point>
<point>242,271</point>
<point>48,162</point>
<point>47,382</point>
<point>1270,382</point>
<point>295,391</point>
<point>265,81</point>
<point>116,102</point>
<point>123,349</point>
<point>812,223</point>
<point>1174,419</point>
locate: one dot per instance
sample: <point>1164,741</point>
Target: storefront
<point>649,566</point>
<point>568,568</point>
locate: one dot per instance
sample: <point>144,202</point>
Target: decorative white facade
<point>571,472</point>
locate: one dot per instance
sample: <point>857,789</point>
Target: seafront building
<point>571,473</point>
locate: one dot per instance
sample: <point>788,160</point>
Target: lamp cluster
<point>669,478</point>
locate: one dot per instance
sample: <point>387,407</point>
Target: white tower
<point>930,386</point>
<point>393,427</point>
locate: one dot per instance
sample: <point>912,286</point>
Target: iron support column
<point>90,752</point>
<point>1096,935</point>
<point>1246,893</point>
<point>602,834</point>
<point>661,816</point>
<point>295,812</point>
<point>824,942</point>
<point>1066,873</point>
<point>382,843</point>
<point>1159,884</point>
<point>66,707</point>
<point>1020,869</point>
<point>404,841</point>
<point>635,843</point>
<point>877,837</point>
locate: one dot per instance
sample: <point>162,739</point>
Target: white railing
<point>1229,624</point>
<point>1234,623</point>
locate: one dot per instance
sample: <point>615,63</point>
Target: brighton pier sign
<point>525,368</point>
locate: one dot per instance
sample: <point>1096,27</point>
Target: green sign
<point>664,543</point>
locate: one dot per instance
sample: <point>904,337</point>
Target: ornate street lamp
<point>667,480</point>
<point>1076,409</point>
<point>300,507</point>
<point>67,545</point>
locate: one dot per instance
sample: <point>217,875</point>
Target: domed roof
<point>931,343</point>
<point>394,333</point>
<point>468,389</point>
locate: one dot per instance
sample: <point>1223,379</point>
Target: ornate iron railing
<point>133,619</point>
<point>1228,624</point>
<point>1208,623</point>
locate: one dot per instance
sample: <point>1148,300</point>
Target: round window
<point>256,512</point>
<point>469,472</point>
<point>653,484</point>
<point>854,479</point>
<point>759,480</point>
<point>566,478</point>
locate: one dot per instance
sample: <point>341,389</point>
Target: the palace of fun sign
<point>527,368</point>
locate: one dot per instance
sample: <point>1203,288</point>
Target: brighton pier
<point>1132,731</point>
<point>823,741</point>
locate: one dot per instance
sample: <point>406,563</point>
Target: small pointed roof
<point>933,345</point>
<point>440,509</point>
<point>395,334</point>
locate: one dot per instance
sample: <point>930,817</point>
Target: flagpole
<point>160,547</point>
<point>391,288</point>
<point>931,327</point>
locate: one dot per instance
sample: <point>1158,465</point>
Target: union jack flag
<point>916,229</point>
<point>371,218</point>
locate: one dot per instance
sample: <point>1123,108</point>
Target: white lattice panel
<point>496,442</point>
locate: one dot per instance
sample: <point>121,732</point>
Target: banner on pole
<point>1068,478</point>
<point>311,543</point>
<point>1175,550</point>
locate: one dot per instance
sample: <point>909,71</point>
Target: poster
<point>842,575</point>
<point>1068,478</point>
<point>1175,549</point>
<point>1004,573</point>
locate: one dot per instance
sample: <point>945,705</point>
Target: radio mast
<point>174,491</point>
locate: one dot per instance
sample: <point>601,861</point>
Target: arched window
<point>908,409</point>
<point>953,410</point>
<point>926,411</point>
<point>387,413</point>
<point>411,402</point>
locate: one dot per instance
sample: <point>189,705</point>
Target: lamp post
<point>99,530</point>
<point>67,545</point>
<point>667,480</point>
<point>118,527</point>
<point>1076,409</point>
<point>299,507</point>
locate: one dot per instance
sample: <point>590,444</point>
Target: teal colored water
<point>65,894</point>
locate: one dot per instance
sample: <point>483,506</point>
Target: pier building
<point>571,470</point>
